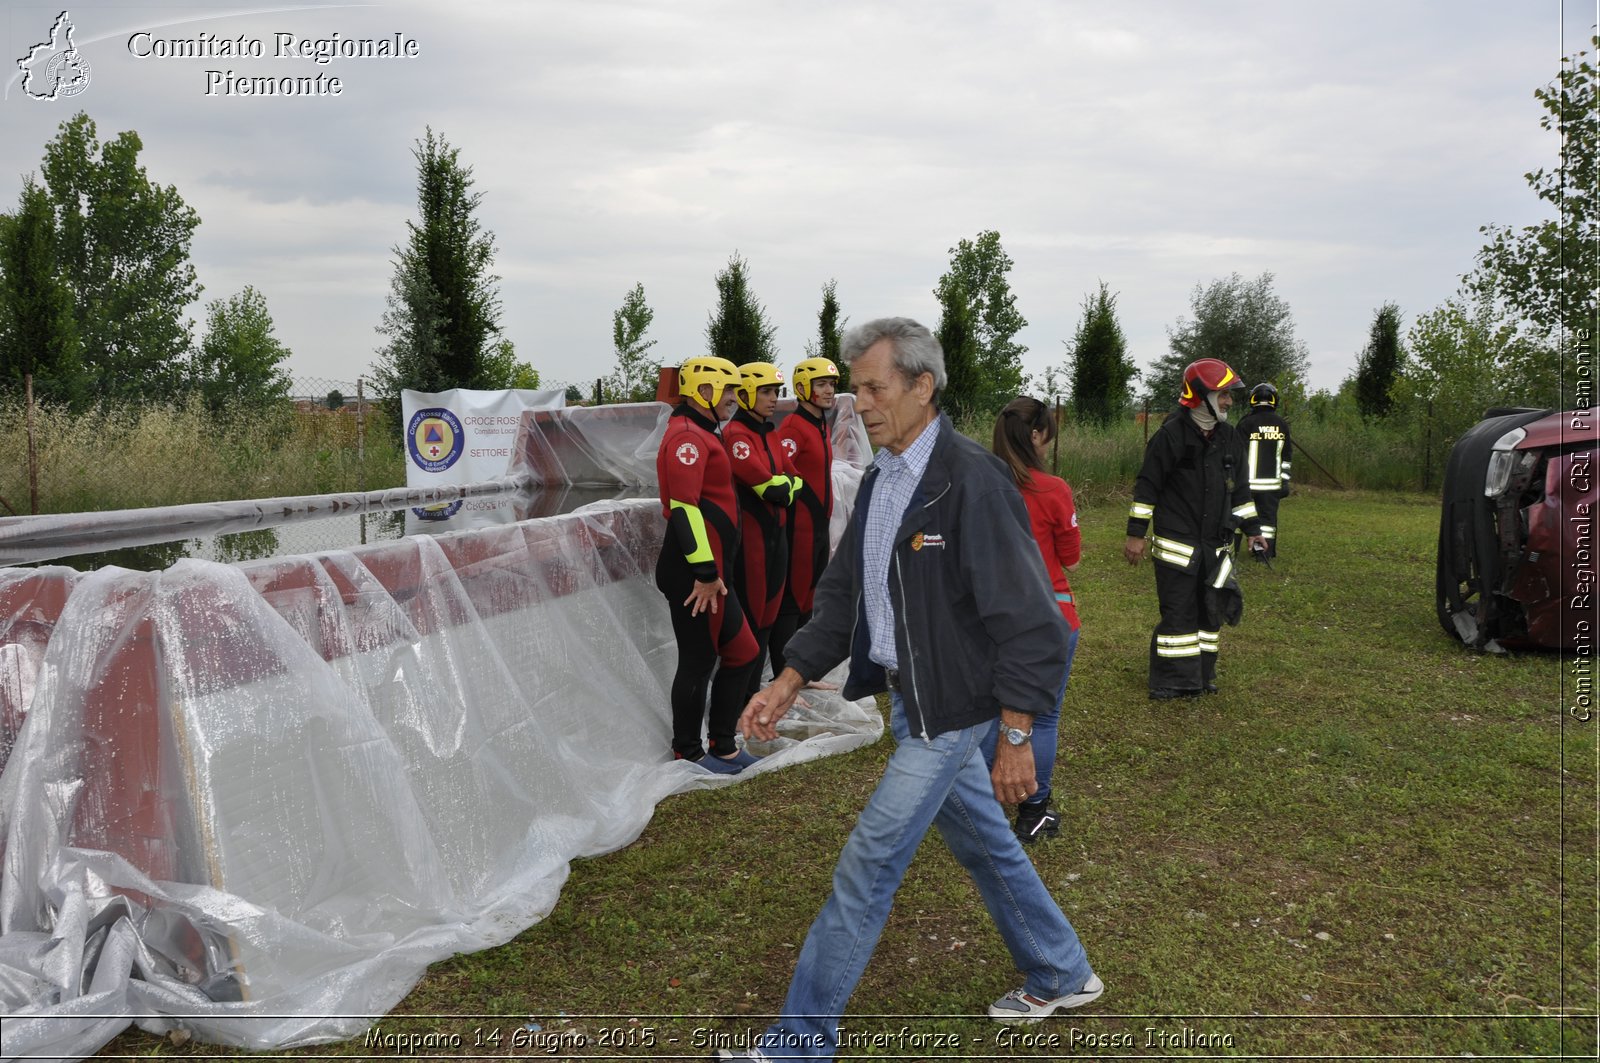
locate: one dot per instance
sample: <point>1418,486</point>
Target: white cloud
<point>1351,149</point>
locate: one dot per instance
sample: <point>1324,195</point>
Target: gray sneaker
<point>1021,1006</point>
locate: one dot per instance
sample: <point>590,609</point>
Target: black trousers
<point>1183,647</point>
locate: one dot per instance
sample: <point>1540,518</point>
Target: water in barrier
<point>241,798</point>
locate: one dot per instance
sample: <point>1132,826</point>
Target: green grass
<point>159,455</point>
<point>1372,842</point>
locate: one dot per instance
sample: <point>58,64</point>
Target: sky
<point>1351,149</point>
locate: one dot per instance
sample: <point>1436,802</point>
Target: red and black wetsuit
<point>806,440</point>
<point>765,485</point>
<point>764,482</point>
<point>702,538</point>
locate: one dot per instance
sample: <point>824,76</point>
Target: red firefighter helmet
<point>1204,376</point>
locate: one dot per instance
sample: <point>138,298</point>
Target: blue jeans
<point>1046,726</point>
<point>940,782</point>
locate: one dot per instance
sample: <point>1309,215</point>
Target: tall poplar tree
<point>830,333</point>
<point>964,395</point>
<point>1378,363</point>
<point>737,329</point>
<point>1101,368</point>
<point>978,271</point>
<point>38,335</point>
<point>443,316</point>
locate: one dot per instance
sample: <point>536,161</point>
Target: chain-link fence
<point>329,437</point>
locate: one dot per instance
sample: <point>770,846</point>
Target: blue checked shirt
<point>898,476</point>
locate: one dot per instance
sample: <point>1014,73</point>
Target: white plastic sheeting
<point>244,798</point>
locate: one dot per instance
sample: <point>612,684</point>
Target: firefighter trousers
<point>1183,647</point>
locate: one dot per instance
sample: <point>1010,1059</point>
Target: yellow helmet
<point>811,370</point>
<point>705,369</point>
<point>754,375</point>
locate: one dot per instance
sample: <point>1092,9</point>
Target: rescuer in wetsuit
<point>766,486</point>
<point>806,438</point>
<point>1193,489</point>
<point>701,542</point>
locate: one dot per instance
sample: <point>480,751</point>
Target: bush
<point>1393,455</point>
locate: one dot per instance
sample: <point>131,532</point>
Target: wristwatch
<point>1016,736</point>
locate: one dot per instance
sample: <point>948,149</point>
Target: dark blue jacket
<point>976,627</point>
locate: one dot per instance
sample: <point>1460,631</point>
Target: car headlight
<point>1503,460</point>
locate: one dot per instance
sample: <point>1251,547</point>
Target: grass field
<point>1371,843</point>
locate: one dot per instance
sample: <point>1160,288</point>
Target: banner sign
<point>461,436</point>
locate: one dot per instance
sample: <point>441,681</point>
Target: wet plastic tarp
<point>245,798</point>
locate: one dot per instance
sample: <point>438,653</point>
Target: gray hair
<point>916,350</point>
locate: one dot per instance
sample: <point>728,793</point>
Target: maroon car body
<point>1516,565</point>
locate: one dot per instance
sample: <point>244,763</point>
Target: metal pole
<point>1055,456</point>
<point>1427,449</point>
<point>1295,443</point>
<point>361,445</point>
<point>33,454</point>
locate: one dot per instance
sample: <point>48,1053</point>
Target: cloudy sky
<point>1352,149</point>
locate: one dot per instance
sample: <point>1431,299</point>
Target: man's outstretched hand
<point>770,704</point>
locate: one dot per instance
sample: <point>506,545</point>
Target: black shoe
<point>1036,822</point>
<point>1210,688</point>
<point>1168,693</point>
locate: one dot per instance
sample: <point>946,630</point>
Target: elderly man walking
<point>937,595</point>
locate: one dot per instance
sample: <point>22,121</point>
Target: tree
<point>1378,362</point>
<point>980,267</point>
<point>502,370</point>
<point>335,400</point>
<point>240,361</point>
<point>38,335</point>
<point>964,395</point>
<point>1101,368</point>
<point>1546,272</point>
<point>1242,322</point>
<point>1465,356</point>
<point>637,373</point>
<point>123,248</point>
<point>737,330</point>
<point>830,333</point>
<point>443,315</point>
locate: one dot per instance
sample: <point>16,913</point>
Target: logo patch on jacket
<point>688,453</point>
<point>741,450</point>
<point>921,539</point>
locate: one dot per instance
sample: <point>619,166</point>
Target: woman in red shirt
<point>1022,436</point>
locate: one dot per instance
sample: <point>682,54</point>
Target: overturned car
<point>1516,565</point>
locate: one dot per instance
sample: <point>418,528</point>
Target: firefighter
<point>806,439</point>
<point>766,486</point>
<point>693,571</point>
<point>1193,490</point>
<point>1266,460</point>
